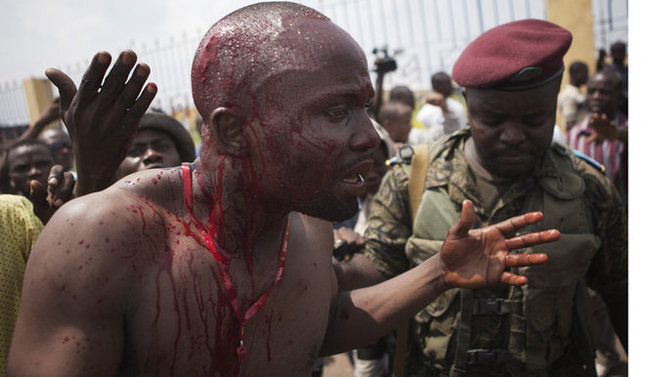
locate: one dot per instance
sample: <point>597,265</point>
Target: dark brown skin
<point>99,124</point>
<point>48,199</point>
<point>603,96</point>
<point>131,289</point>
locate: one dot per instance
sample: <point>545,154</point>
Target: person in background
<point>160,142</point>
<point>19,229</point>
<point>603,134</point>
<point>402,94</point>
<point>618,64</point>
<point>571,99</point>
<point>24,161</point>
<point>60,144</point>
<point>441,114</point>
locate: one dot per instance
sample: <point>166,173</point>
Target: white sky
<point>37,34</point>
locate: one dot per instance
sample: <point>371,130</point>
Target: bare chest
<point>182,320</point>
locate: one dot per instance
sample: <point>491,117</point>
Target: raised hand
<point>103,115</point>
<point>474,258</point>
<point>437,99</point>
<point>60,185</point>
<point>603,127</point>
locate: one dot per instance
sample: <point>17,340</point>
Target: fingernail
<point>128,58</point>
<point>140,70</point>
<point>53,181</point>
<point>103,57</point>
<point>152,88</point>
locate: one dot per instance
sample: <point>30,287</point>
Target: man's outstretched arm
<point>470,258</point>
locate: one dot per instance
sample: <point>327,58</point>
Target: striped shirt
<point>607,152</point>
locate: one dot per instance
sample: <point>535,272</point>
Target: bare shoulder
<point>100,231</point>
<point>317,231</point>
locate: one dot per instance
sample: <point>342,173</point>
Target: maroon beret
<point>515,56</point>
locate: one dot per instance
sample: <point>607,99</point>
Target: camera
<point>384,63</point>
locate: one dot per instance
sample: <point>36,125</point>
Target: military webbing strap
<point>417,178</point>
<point>464,331</point>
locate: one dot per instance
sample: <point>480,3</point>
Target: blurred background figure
<point>160,142</point>
<point>618,64</point>
<point>571,100</point>
<point>440,113</point>
<point>60,144</point>
<point>602,134</point>
<point>23,161</point>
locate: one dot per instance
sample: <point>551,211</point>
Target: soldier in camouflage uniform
<point>506,164</point>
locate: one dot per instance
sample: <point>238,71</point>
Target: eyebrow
<point>349,94</point>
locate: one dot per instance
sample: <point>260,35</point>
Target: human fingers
<point>56,173</point>
<point>513,279</point>
<point>38,196</point>
<point>92,78</point>
<point>37,192</point>
<point>141,105</point>
<point>532,239</point>
<point>465,222</point>
<point>63,192</point>
<point>114,81</point>
<point>523,260</point>
<point>65,85</point>
<point>134,85</point>
<point>512,224</point>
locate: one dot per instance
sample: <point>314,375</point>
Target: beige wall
<point>577,17</point>
<point>38,93</point>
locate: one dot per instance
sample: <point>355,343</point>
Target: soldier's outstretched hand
<point>473,258</point>
<point>102,116</point>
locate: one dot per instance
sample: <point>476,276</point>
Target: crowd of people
<point>490,234</point>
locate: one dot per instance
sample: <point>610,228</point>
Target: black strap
<point>492,306</point>
<point>488,358</point>
<point>464,332</point>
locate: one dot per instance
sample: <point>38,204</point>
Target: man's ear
<point>228,130</point>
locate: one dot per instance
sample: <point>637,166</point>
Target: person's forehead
<point>601,80</point>
<point>327,85</point>
<point>27,151</point>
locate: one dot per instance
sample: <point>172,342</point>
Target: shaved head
<point>247,47</point>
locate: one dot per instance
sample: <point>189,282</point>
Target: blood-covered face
<point>312,138</point>
<point>512,129</point>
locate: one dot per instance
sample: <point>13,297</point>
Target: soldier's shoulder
<point>592,172</point>
<point>581,161</point>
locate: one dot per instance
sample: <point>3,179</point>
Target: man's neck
<point>477,166</point>
<point>227,198</point>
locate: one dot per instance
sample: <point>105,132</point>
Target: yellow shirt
<point>19,228</point>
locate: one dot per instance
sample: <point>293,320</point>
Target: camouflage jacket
<point>390,230</point>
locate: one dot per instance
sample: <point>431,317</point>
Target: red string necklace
<point>223,262</point>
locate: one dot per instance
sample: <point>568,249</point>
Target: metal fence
<point>425,35</point>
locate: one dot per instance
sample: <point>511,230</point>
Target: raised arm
<point>49,115</point>
<point>470,258</point>
<point>103,115</point>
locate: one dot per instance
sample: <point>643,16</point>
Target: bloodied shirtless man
<point>222,267</point>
